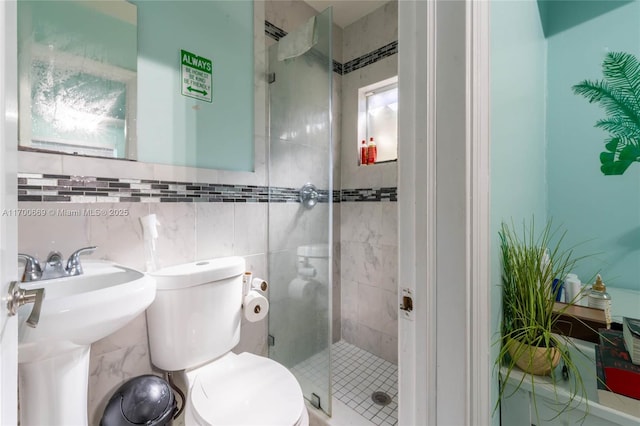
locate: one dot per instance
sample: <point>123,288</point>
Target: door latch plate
<point>406,304</point>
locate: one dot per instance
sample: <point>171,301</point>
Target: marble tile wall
<point>368,231</point>
<point>188,231</point>
<point>369,251</point>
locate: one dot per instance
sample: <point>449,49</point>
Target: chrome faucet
<point>32,269</point>
<point>73,264</point>
<point>53,267</point>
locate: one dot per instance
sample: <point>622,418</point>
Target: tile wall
<point>189,229</point>
<point>365,241</point>
<point>368,230</point>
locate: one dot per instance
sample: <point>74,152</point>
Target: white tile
<point>361,222</point>
<point>294,163</point>
<point>291,225</point>
<point>43,182</point>
<point>349,330</point>
<point>350,300</point>
<point>119,237</point>
<point>250,228</point>
<point>389,271</point>
<point>55,231</point>
<point>378,71</point>
<point>214,236</point>
<point>36,162</point>
<point>282,270</point>
<point>368,338</point>
<point>257,264</point>
<point>388,315</point>
<point>83,199</point>
<point>369,306</point>
<point>389,348</point>
<point>176,233</point>
<point>361,263</point>
<point>388,223</point>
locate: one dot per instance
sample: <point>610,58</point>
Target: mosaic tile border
<point>277,33</point>
<point>273,31</point>
<point>89,189</point>
<point>369,194</point>
<point>371,57</point>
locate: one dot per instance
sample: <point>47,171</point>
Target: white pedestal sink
<point>53,358</point>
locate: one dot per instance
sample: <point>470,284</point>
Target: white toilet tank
<point>197,312</point>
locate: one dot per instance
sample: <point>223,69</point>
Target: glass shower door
<point>300,75</point>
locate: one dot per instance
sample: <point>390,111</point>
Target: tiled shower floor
<point>356,375</point>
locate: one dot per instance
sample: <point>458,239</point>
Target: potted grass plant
<point>528,342</point>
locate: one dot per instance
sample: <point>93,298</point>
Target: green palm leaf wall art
<point>619,94</point>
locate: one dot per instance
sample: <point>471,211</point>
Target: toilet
<point>193,324</point>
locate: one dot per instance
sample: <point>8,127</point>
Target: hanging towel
<point>299,41</point>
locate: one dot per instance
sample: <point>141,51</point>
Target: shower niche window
<point>378,122</point>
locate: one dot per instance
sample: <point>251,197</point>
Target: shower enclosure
<point>300,221</point>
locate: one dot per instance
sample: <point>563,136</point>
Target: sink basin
<point>76,312</point>
<point>83,309</point>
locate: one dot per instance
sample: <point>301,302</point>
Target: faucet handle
<point>18,297</point>
<point>32,269</point>
<point>73,264</point>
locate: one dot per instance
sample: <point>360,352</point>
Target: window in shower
<point>378,119</point>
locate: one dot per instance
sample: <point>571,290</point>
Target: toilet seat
<point>245,389</point>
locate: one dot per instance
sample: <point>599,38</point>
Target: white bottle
<point>572,289</point>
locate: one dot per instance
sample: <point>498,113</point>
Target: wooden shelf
<point>580,322</point>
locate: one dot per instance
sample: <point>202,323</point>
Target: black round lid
<point>143,400</point>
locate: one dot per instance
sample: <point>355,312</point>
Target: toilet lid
<point>246,389</point>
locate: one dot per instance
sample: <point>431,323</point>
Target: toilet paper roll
<point>259,284</point>
<point>246,283</point>
<point>255,306</point>
<point>300,289</point>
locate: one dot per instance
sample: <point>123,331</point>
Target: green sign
<point>197,76</point>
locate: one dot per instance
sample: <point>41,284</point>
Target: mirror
<point>77,63</point>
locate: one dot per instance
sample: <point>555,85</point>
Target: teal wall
<point>601,213</point>
<point>518,72</point>
<point>178,130</point>
<point>544,147</point>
